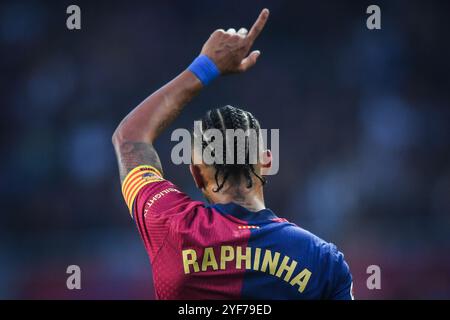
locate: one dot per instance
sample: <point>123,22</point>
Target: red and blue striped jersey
<point>224,251</point>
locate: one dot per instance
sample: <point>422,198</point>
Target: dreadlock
<point>229,117</point>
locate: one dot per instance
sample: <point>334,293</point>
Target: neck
<point>250,198</point>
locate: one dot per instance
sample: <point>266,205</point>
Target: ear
<point>196,174</point>
<point>266,162</point>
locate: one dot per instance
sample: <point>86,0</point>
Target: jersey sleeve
<point>342,278</point>
<point>137,179</point>
<point>154,203</point>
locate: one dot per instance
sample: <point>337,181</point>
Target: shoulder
<point>325,260</point>
<point>306,238</point>
<point>323,254</point>
<point>335,276</point>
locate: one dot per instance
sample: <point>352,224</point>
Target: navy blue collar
<point>235,210</point>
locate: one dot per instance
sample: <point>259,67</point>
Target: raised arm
<point>223,53</point>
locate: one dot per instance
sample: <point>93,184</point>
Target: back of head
<point>227,120</point>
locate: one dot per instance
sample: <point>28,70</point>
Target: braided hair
<point>229,117</point>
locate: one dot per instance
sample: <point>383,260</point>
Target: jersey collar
<point>239,212</point>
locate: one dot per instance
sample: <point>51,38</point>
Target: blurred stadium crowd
<point>364,119</point>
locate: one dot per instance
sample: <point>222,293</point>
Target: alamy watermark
<point>73,281</point>
<point>374,280</point>
<point>73,21</point>
<point>374,20</point>
<point>235,146</point>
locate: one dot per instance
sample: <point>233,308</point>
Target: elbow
<point>126,132</point>
<point>119,136</point>
<point>132,128</point>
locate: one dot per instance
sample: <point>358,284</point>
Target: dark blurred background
<point>364,120</point>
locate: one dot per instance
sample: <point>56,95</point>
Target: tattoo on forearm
<point>132,154</point>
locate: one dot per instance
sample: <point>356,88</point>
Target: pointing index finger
<point>258,25</point>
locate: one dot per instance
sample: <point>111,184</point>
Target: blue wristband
<point>204,69</point>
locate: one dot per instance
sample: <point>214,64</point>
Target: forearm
<point>134,137</point>
<point>155,113</point>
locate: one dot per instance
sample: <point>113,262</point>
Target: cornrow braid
<point>229,117</point>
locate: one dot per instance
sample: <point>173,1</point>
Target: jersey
<point>224,251</point>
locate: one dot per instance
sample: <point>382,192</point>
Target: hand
<point>229,50</point>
